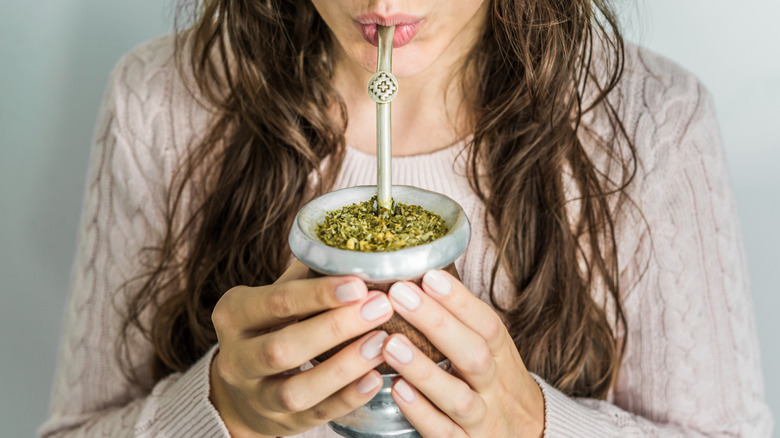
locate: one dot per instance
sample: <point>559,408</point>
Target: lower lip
<point>404,33</point>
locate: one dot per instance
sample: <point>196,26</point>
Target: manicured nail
<point>348,292</point>
<point>373,346</point>
<point>377,307</point>
<point>405,391</point>
<point>368,383</point>
<point>405,295</point>
<point>438,281</point>
<point>399,350</point>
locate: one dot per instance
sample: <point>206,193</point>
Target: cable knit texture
<point>691,367</point>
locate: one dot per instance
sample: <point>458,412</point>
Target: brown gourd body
<point>396,324</point>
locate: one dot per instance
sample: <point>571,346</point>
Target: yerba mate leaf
<point>359,227</point>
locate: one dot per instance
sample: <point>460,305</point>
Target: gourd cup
<point>381,417</point>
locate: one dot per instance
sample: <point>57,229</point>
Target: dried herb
<point>360,227</point>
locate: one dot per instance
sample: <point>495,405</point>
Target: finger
<point>250,310</point>
<point>290,394</point>
<point>343,402</point>
<point>429,421</point>
<point>296,344</point>
<point>450,394</point>
<point>469,309</point>
<point>465,348</point>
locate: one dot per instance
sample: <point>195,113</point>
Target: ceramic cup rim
<point>379,267</point>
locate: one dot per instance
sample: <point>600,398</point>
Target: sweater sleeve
<point>121,216</point>
<point>691,366</point>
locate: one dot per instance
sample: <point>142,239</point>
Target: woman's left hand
<point>490,393</point>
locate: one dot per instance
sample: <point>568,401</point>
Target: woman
<point>604,291</point>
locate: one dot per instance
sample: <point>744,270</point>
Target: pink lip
<point>406,27</point>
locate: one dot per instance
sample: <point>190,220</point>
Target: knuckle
<point>337,329</point>
<point>289,399</point>
<point>342,372</point>
<point>464,404</point>
<point>233,371</point>
<point>437,320</point>
<point>426,373</point>
<point>226,369</point>
<point>277,354</point>
<point>260,406</point>
<point>323,291</point>
<point>481,361</point>
<point>494,329</point>
<point>221,316</point>
<point>280,305</point>
<point>320,413</point>
<point>323,296</point>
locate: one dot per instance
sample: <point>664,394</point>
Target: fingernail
<point>405,295</point>
<point>376,308</point>
<point>437,281</point>
<point>368,383</point>
<point>404,390</point>
<point>349,292</point>
<point>373,346</point>
<point>399,350</point>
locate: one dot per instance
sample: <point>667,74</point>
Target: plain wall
<point>55,56</point>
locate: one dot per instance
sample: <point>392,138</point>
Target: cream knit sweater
<point>692,362</point>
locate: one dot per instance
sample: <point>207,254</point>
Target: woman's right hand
<point>264,336</point>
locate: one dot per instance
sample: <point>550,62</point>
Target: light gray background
<point>55,56</point>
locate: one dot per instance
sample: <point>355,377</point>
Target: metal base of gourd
<point>380,417</point>
<point>353,433</point>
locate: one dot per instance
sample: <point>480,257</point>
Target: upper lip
<point>387,20</point>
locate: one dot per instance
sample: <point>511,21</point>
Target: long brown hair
<point>266,69</point>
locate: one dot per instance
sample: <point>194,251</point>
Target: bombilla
<point>382,89</point>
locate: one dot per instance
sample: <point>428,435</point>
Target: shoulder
<point>659,81</point>
<point>140,84</point>
<point>669,118</point>
<point>154,110</point>
<point>666,118</point>
<point>661,104</point>
<point>143,78</point>
<point>148,64</point>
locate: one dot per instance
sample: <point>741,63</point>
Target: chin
<point>410,62</point>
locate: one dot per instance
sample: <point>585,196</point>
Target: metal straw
<point>382,88</point>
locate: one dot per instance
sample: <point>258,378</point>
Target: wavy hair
<point>265,67</point>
